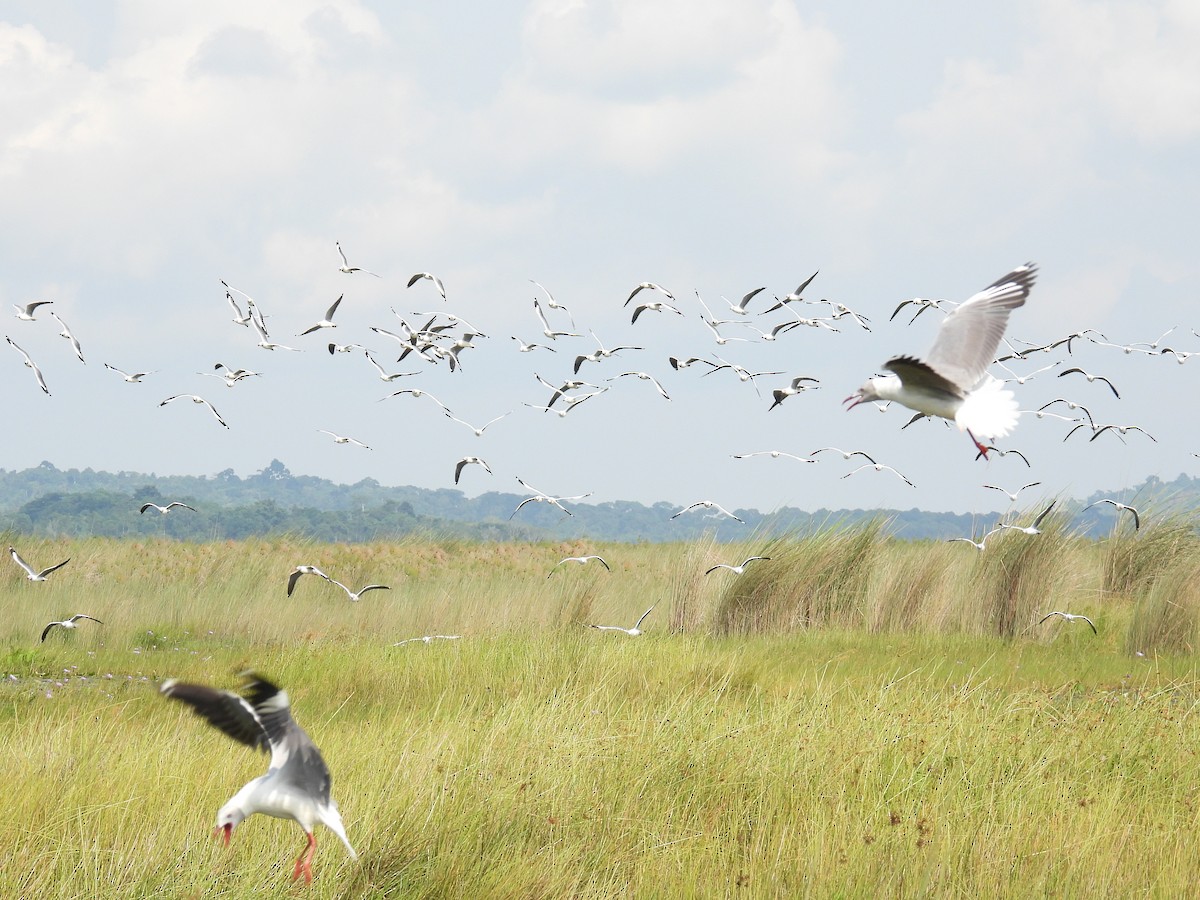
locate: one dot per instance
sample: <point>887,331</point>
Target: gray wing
<point>46,572</point>
<point>969,336</point>
<point>224,710</point>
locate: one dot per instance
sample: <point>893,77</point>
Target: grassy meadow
<point>856,717</point>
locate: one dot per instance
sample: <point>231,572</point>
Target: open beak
<point>223,830</point>
<point>854,399</point>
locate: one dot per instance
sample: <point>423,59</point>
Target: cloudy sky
<point>150,150</point>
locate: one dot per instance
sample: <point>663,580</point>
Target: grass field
<point>855,717</point>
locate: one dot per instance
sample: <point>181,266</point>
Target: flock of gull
<point>951,382</point>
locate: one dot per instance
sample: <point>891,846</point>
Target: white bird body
<point>710,505</point>
<point>326,322</point>
<point>738,569</point>
<point>1035,528</point>
<point>30,572</point>
<point>25,311</point>
<point>342,439</point>
<point>196,398</point>
<point>582,560</point>
<point>1070,617</point>
<point>300,571</point>
<point>68,624</point>
<point>29,363</point>
<point>632,632</point>
<point>297,783</point>
<point>131,377</point>
<point>165,509</point>
<point>952,382</point>
<point>355,596</point>
<point>468,461</point>
<point>66,333</point>
<point>346,267</point>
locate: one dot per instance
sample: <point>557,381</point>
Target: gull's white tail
<point>989,411</point>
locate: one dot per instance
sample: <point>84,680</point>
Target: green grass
<point>895,724</point>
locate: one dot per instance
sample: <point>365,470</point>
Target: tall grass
<point>857,716</point>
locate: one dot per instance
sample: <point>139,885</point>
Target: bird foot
<point>982,448</point>
<point>302,867</point>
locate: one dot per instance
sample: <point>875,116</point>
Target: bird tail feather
<point>989,411</point>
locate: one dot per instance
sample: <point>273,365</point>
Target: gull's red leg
<point>304,861</point>
<point>982,448</point>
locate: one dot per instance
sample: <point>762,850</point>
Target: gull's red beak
<point>223,831</point>
<point>853,400</point>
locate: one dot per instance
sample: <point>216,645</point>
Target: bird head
<point>228,817</point>
<point>864,394</point>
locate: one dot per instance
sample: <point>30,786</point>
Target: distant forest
<point>51,502</point>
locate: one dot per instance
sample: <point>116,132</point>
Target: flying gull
<point>29,363</point>
<point>300,571</point>
<point>326,322</point>
<point>68,623</point>
<point>632,632</point>
<point>355,596</point>
<point>1120,507</point>
<point>66,333</point>
<point>131,377</point>
<point>165,509</point>
<point>429,276</point>
<point>30,573</point>
<point>952,382</point>
<point>1035,528</point>
<point>467,461</point>
<point>708,504</point>
<point>582,560</point>
<point>736,570</point>
<point>1069,617</point>
<point>195,398</point>
<point>345,266</point>
<point>25,312</point>
<point>342,439</point>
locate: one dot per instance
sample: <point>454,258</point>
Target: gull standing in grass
<point>355,596</point>
<point>632,632</point>
<point>468,461</point>
<point>1035,528</point>
<point>710,505</point>
<point>345,266</point>
<point>342,439</point>
<point>131,377</point>
<point>196,398</point>
<point>37,373</point>
<point>68,623</point>
<point>1070,617</point>
<point>66,333</point>
<point>736,570</point>
<point>300,571</point>
<point>429,276</point>
<point>952,382</point>
<point>1120,507</point>
<point>297,782</point>
<point>30,572</point>
<point>25,312</point>
<point>163,510</point>
<point>582,560</point>
<point>326,322</point>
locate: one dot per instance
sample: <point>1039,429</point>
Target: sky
<point>150,151</point>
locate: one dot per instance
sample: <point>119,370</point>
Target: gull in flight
<point>794,296</point>
<point>342,439</point>
<point>1120,507</point>
<point>571,402</point>
<point>1181,356</point>
<point>346,348</point>
<point>326,322</point>
<point>878,467</point>
<point>297,782</point>
<point>740,306</point>
<point>196,398</point>
<point>846,454</point>
<point>1035,528</point>
<point>582,560</point>
<point>774,454</point>
<point>952,382</point>
<point>742,372</point>
<point>921,305</point>
<point>355,596</point>
<point>470,460</point>
<point>163,510</point>
<point>345,266</point>
<point>30,573</point>
<point>736,570</point>
<point>1021,379</point>
<point>654,306</point>
<point>1012,495</point>
<point>632,632</point>
<point>1090,377</point>
<point>523,347</point>
<point>1002,453</point>
<point>543,497</point>
<point>66,333</point>
<point>429,276</point>
<point>417,392</point>
<point>266,343</point>
<point>429,639</point>
<point>301,571</point>
<point>979,545</point>
<point>1069,617</point>
<point>1119,430</point>
<point>131,377</point>
<point>68,623</point>
<point>554,304</point>
<point>644,377</point>
<point>238,318</point>
<point>73,622</point>
<point>25,312</point>
<point>1071,405</point>
<point>546,329</point>
<point>708,504</point>
<point>383,375</point>
<point>478,431</point>
<point>649,286</point>
<point>600,353</point>
<point>797,386</point>
<point>31,364</point>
